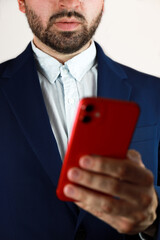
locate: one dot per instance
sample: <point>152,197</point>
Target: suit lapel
<point>24,96</point>
<point>22,89</point>
<point>112,80</point>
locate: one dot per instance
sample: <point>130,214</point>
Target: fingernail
<point>134,156</point>
<point>85,162</point>
<point>69,191</point>
<point>74,174</point>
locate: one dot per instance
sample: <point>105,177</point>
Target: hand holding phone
<point>102,127</point>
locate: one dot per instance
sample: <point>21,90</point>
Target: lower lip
<point>67,26</point>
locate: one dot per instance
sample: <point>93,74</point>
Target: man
<point>39,93</point>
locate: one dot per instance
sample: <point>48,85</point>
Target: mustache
<point>67,14</point>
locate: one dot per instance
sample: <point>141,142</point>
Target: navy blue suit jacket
<point>30,163</point>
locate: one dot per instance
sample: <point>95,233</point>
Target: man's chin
<point>67,43</point>
<point>65,48</point>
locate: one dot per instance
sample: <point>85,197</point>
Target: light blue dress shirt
<point>63,86</point>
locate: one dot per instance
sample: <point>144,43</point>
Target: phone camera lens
<point>86,119</point>
<point>89,108</point>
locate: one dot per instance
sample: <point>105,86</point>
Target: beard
<point>65,42</point>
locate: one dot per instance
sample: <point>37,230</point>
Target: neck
<point>62,58</point>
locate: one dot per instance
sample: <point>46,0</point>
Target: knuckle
<point>102,184</point>
<point>126,228</point>
<point>107,207</point>
<point>139,217</point>
<point>151,217</point>
<point>89,180</point>
<point>150,178</point>
<point>114,186</point>
<point>99,164</point>
<point>98,213</point>
<point>87,207</point>
<point>145,200</point>
<point>122,171</point>
<point>102,166</point>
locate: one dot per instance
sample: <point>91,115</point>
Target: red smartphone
<point>102,127</point>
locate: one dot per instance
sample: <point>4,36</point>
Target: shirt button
<point>64,71</point>
<point>71,101</point>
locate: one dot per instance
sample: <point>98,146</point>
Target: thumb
<point>135,156</point>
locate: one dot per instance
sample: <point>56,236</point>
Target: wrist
<point>151,231</point>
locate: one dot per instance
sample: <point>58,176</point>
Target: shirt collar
<point>78,65</point>
<point>47,65</point>
<point>83,62</point>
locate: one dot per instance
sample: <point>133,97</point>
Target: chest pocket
<point>145,140</point>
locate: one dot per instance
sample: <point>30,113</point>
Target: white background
<point>129,32</point>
